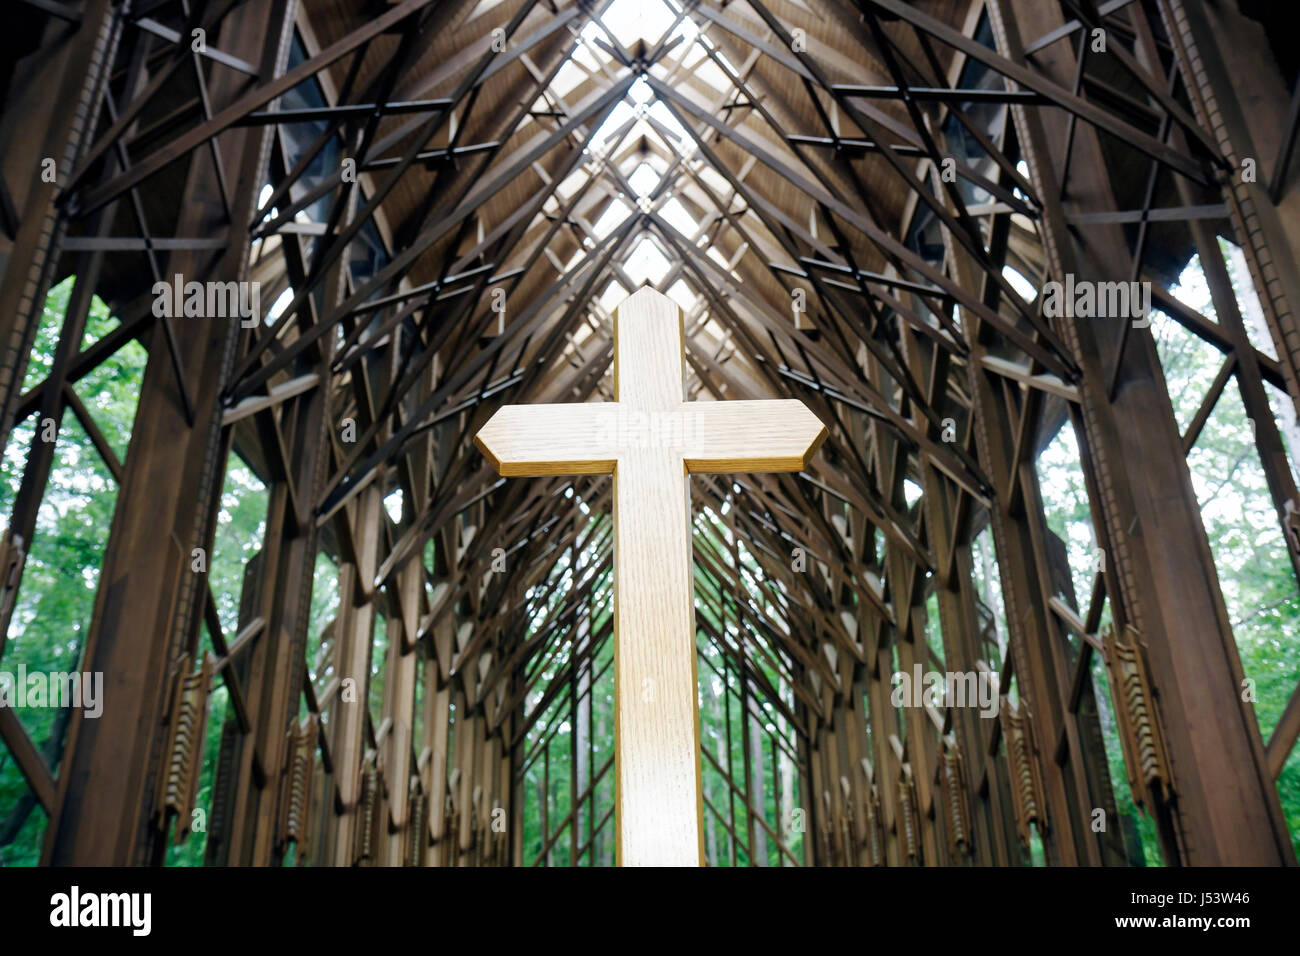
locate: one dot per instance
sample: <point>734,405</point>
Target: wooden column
<point>272,671</point>
<point>50,97</point>
<point>434,743</point>
<point>993,834</point>
<point>1227,808</point>
<point>149,600</point>
<point>354,634</point>
<point>1245,106</point>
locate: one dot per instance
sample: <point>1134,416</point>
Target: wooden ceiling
<point>507,110</point>
<point>787,161</point>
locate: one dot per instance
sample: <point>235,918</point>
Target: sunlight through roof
<point>633,20</point>
<point>643,180</point>
<point>652,135</point>
<point>647,262</point>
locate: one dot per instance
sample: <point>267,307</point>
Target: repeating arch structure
<point>323,240</point>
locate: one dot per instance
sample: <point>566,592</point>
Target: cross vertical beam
<point>656,724</point>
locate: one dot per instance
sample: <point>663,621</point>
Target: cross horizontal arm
<point>750,436</point>
<point>565,439</point>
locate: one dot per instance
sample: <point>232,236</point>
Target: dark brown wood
<point>814,174</point>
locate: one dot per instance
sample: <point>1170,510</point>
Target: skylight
<point>620,114</point>
<point>633,20</point>
<point>681,293</point>
<point>644,154</point>
<point>911,492</point>
<point>640,91</point>
<point>568,76</point>
<point>643,180</point>
<point>1024,288</point>
<point>665,116</point>
<point>675,214</point>
<point>647,262</point>
<point>611,218</point>
<point>613,295</point>
<point>281,303</point>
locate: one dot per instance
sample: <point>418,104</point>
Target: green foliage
<point>568,744</point>
<point>572,740</point>
<point>53,608</point>
<point>1258,584</point>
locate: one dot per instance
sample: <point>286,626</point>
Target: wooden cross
<point>651,440</point>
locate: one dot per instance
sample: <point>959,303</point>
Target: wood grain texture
<point>651,441</point>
